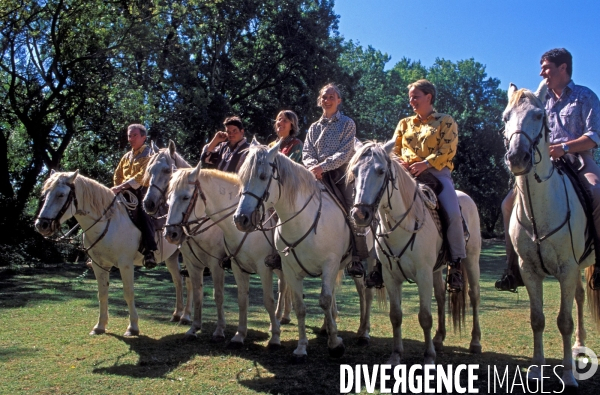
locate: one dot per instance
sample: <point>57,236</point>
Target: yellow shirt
<point>434,140</point>
<point>132,167</point>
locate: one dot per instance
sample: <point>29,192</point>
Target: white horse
<point>312,236</point>
<point>109,235</point>
<point>546,244</point>
<point>408,243</point>
<point>194,193</point>
<point>199,251</point>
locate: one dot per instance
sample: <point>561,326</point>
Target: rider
<point>227,150</point>
<point>328,147</point>
<point>427,142</point>
<point>574,121</point>
<point>129,176</point>
<point>286,128</point>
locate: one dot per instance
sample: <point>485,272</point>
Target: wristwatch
<point>565,147</point>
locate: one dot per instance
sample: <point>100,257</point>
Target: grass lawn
<point>45,317</point>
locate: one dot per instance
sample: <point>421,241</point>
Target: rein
<point>533,148</point>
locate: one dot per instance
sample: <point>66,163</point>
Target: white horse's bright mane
<point>294,178</point>
<point>179,179</point>
<point>91,195</point>
<point>520,94</point>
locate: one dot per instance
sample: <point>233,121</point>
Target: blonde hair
<point>292,117</point>
<point>325,89</point>
<point>424,86</point>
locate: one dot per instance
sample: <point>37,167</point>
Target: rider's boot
<point>511,279</point>
<point>356,268</point>
<point>149,261</point>
<point>454,278</point>
<point>374,278</point>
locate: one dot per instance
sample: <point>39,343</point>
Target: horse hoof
<point>274,347</point>
<point>235,345</point>
<point>322,332</point>
<point>363,341</point>
<point>185,321</point>
<point>174,318</point>
<point>131,332</point>
<point>188,337</point>
<point>439,347</point>
<point>217,339</point>
<point>475,349</point>
<point>338,351</point>
<point>299,359</point>
<point>284,321</point>
<point>97,331</point>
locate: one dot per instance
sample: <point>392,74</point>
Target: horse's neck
<point>87,217</point>
<point>221,199</point>
<point>402,200</point>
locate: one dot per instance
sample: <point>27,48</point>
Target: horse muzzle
<point>45,226</point>
<point>174,234</point>
<point>245,223</point>
<point>362,215</point>
<point>518,161</point>
<point>150,206</point>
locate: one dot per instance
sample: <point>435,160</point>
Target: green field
<point>46,314</point>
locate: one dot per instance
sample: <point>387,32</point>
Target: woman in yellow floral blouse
<point>427,141</point>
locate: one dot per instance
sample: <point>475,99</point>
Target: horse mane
<point>524,94</point>
<point>180,163</point>
<point>293,177</point>
<point>404,181</point>
<point>91,195</point>
<point>180,178</point>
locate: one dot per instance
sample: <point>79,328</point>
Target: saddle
<point>431,187</point>
<point>570,165</point>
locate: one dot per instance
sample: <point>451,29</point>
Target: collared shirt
<point>290,147</point>
<point>132,166</point>
<point>225,158</point>
<point>434,139</point>
<point>329,142</point>
<point>574,114</point>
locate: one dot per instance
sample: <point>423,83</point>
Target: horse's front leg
<point>471,266</point>
<point>568,285</point>
<point>218,277</point>
<point>196,272</point>
<point>126,270</point>
<point>580,334</point>
<point>102,277</point>
<point>266,278</point>
<point>284,300</point>
<point>394,290</point>
<point>439,290</point>
<point>295,285</point>
<point>534,286</point>
<point>425,287</point>
<point>366,300</point>
<point>334,342</point>
<point>243,287</point>
<point>172,264</point>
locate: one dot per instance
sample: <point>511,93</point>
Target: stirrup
<point>355,269</point>
<point>509,282</point>
<point>184,272</point>
<point>225,263</point>
<point>273,261</point>
<point>149,261</point>
<point>454,280</point>
<point>594,282</point>
<point>374,280</point>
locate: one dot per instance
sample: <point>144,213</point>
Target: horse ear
<point>72,177</point>
<point>540,93</point>
<point>154,147</point>
<point>52,172</point>
<point>272,152</point>
<point>254,141</point>
<point>172,148</point>
<point>194,174</point>
<point>512,88</point>
<point>389,146</point>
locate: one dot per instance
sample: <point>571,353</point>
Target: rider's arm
<point>309,153</point>
<point>447,135</point>
<point>345,149</point>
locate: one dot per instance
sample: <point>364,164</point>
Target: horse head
<point>60,202</point>
<point>256,175</point>
<point>184,205</point>
<point>158,173</point>
<point>524,126</point>
<point>370,167</point>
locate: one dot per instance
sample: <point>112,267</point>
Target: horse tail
<point>457,304</point>
<point>593,297</point>
<point>381,297</point>
<point>338,279</point>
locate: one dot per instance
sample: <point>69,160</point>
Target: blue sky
<point>507,36</point>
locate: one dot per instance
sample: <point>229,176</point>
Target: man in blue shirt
<point>574,122</point>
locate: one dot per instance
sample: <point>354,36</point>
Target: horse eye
<point>61,195</point>
<point>185,198</point>
<point>262,176</point>
<point>538,116</point>
<point>168,171</point>
<point>379,171</point>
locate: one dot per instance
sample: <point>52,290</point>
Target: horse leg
<point>218,277</point>
<point>580,334</point>
<point>565,323</point>
<point>102,277</point>
<point>266,278</point>
<point>173,267</point>
<point>471,266</point>
<point>127,277</point>
<point>334,342</point>
<point>295,284</point>
<point>425,318</point>
<point>283,299</point>
<point>197,281</point>
<point>366,299</point>
<point>534,286</point>
<point>439,290</point>
<point>288,300</point>
<point>395,293</point>
<point>243,287</point>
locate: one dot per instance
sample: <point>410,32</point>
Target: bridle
<point>71,198</point>
<point>388,180</point>
<point>258,215</point>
